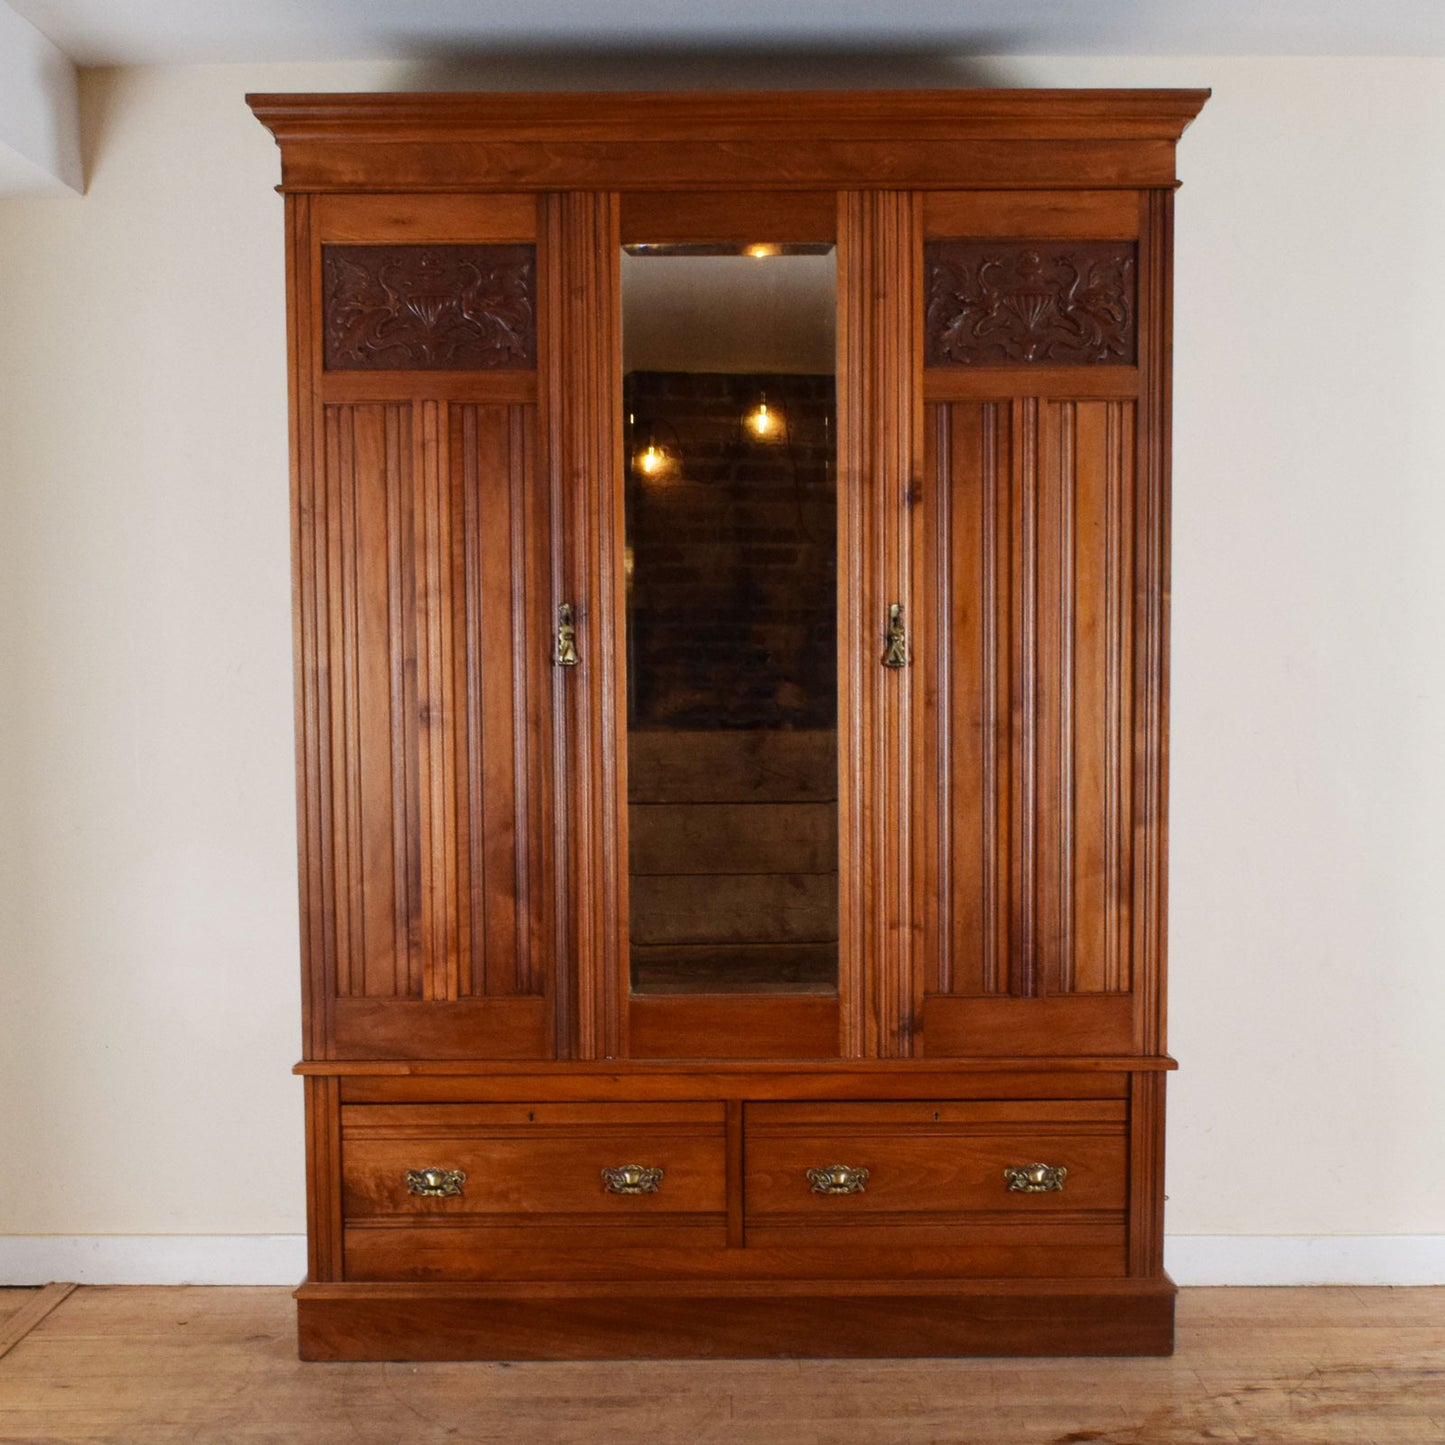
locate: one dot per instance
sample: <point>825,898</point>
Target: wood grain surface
<point>1286,1366</point>
<point>997,808</point>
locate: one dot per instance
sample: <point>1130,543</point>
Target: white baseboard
<point>280,1259</point>
<point>153,1258</point>
<point>1364,1259</point>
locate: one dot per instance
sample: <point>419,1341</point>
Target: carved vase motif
<point>1059,303</point>
<point>429,308</point>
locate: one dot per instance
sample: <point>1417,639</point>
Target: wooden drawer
<point>525,1162</point>
<point>932,1165</point>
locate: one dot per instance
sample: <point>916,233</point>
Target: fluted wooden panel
<point>1086,712</point>
<point>436,575</point>
<point>500,592</point>
<point>371,654</point>
<point>964,569</point>
<point>1025,560</point>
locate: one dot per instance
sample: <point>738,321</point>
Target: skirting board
<point>153,1258</point>
<point>280,1259</point>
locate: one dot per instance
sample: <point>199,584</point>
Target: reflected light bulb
<point>651,460</point>
<point>764,249</point>
<point>761,422</point>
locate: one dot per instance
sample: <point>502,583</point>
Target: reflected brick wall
<point>734,556</point>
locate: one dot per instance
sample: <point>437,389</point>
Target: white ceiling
<point>133,32</point>
<point>640,45</point>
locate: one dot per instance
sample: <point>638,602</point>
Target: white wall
<point>147,898</point>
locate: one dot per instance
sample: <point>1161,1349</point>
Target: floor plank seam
<point>49,1299</point>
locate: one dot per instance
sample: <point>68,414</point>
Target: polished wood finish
<point>170,1366</point>
<point>533,1159</point>
<point>1041,560</point>
<point>819,140</point>
<point>933,1167</point>
<point>419,528</point>
<point>622,1320</point>
<point>1035,301</point>
<point>692,1247</point>
<point>1064,215</point>
<point>29,1312</point>
<point>475,875</point>
<point>438,308</point>
<point>743,1026</point>
<point>737,217</point>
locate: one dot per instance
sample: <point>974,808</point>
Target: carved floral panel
<point>429,308</point>
<point>1055,303</point>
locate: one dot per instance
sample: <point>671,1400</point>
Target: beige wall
<point>148,994</point>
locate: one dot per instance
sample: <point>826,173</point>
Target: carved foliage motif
<point>1059,303</point>
<point>430,308</point>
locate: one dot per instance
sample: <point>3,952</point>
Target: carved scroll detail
<point>1058,303</point>
<point>429,308</point>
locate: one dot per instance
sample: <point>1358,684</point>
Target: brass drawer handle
<point>632,1179</point>
<point>1035,1178</point>
<point>838,1179</point>
<point>435,1183</point>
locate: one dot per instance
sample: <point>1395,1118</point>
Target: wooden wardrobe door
<point>1041,652</point>
<point>426,580</point>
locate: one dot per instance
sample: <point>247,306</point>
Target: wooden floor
<point>153,1366</point>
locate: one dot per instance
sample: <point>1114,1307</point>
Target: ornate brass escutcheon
<point>1035,1178</point>
<point>566,653</point>
<point>632,1179</point>
<point>435,1183</point>
<point>897,653</point>
<point>838,1179</point>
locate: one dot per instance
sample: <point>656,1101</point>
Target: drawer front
<point>931,1160</point>
<point>524,1163</point>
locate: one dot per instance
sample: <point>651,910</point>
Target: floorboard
<point>1253,1367</point>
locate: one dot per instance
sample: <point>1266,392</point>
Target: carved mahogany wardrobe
<point>731,616</point>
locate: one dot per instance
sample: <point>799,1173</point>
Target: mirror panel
<point>731,560</point>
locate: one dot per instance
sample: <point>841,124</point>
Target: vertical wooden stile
<point>855,721</point>
<point>323,1170</point>
<point>898,420</point>
<point>582,231</point>
<point>311,805</point>
<point>880,445</point>
<point>1151,628</point>
<point>314,912</point>
<point>552,383</point>
<point>1146,1174</point>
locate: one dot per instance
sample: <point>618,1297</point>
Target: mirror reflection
<point>731,499</point>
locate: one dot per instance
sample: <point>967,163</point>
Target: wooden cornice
<point>724,140</point>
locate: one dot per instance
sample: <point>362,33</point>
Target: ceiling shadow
<point>732,67</point>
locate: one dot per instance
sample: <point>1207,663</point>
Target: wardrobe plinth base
<point>708,1320</point>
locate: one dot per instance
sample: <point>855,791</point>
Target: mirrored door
<point>731,560</point>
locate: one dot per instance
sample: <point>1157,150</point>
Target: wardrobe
<point>731,540</point>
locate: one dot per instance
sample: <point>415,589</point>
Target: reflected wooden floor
<point>1254,1366</point>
